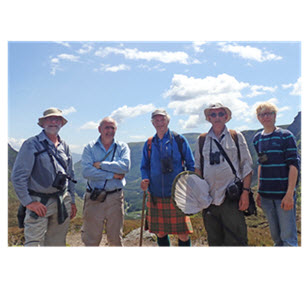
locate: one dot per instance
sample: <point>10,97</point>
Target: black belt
<point>62,212</point>
<point>107,192</point>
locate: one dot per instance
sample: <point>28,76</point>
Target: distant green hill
<point>133,193</point>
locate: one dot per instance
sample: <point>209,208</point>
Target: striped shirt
<point>279,151</point>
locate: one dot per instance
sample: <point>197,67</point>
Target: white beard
<point>53,130</point>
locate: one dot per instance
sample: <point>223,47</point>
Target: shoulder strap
<point>235,138</point>
<point>149,146</point>
<point>226,157</point>
<point>179,140</point>
<point>201,143</point>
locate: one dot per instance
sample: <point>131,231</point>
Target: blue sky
<point>128,80</point>
<point>40,76</point>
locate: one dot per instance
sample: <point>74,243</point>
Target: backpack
<point>179,140</point>
<point>201,143</point>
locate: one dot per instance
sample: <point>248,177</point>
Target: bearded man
<point>42,177</point>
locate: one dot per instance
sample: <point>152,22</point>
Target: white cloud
<point>85,48</point>
<point>197,46</point>
<point>191,122</point>
<point>135,54</point>
<point>108,68</point>
<point>248,52</point>
<point>55,61</point>
<point>190,96</point>
<point>65,44</point>
<point>68,111</point>
<point>90,125</point>
<point>296,87</point>
<point>15,143</point>
<point>69,57</point>
<point>185,88</point>
<point>257,90</point>
<point>126,112</point>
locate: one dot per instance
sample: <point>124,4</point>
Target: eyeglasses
<point>266,114</point>
<point>220,114</point>
<point>53,118</point>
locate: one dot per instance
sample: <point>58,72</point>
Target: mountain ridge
<point>132,191</point>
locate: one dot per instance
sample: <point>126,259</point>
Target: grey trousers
<point>45,231</point>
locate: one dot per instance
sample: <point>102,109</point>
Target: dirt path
<point>130,240</point>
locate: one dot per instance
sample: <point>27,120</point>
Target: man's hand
<point>258,200</point>
<point>118,176</point>
<point>244,201</point>
<point>144,184</point>
<point>38,208</point>
<point>97,165</point>
<point>73,210</point>
<point>287,202</point>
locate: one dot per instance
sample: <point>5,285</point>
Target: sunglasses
<point>220,114</point>
<point>267,114</point>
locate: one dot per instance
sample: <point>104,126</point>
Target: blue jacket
<point>161,184</point>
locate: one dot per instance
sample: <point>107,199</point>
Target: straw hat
<point>217,106</point>
<point>50,112</point>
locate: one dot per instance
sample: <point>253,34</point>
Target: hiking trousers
<point>225,225</point>
<point>45,231</point>
<point>97,215</point>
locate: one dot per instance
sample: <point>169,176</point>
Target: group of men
<point>43,178</point>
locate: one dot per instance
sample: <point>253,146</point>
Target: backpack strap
<point>149,147</point>
<point>179,140</point>
<point>235,139</point>
<point>201,143</point>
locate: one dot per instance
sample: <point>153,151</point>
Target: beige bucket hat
<point>52,112</point>
<point>217,106</point>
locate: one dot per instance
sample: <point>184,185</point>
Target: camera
<point>262,157</point>
<point>166,165</point>
<point>98,195</point>
<point>60,181</point>
<point>234,190</point>
<point>214,158</point>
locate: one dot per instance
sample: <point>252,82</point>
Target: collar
<point>166,136</point>
<point>224,133</point>
<point>99,142</point>
<point>42,136</point>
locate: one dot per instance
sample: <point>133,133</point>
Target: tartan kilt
<point>163,218</point>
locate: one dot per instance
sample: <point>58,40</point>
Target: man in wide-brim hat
<point>52,112</point>
<point>42,177</point>
<point>224,220</point>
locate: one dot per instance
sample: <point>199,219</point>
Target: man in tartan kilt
<point>164,157</point>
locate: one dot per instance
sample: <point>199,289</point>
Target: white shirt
<point>219,176</point>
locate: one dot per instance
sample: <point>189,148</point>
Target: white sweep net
<point>190,193</point>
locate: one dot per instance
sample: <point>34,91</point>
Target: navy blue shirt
<point>280,151</point>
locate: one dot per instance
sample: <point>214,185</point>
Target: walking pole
<point>142,218</point>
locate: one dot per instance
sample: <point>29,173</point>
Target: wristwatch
<point>246,189</point>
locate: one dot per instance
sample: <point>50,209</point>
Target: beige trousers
<point>45,231</point>
<point>96,214</point>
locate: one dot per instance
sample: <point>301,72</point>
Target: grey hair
<point>108,119</point>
